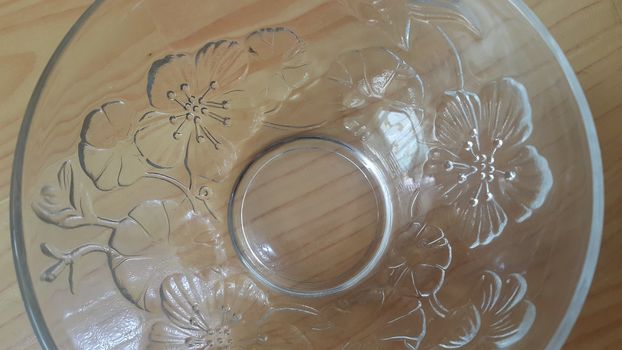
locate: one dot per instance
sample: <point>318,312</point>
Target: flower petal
<point>162,143</point>
<point>440,171</point>
<point>245,299</point>
<point>513,326</point>
<point>166,336</point>
<point>427,279</point>
<point>407,326</point>
<point>506,316</point>
<point>506,112</point>
<point>456,119</point>
<point>531,185</point>
<point>165,79</point>
<point>460,327</point>
<point>440,184</point>
<point>219,66</point>
<point>436,248</point>
<point>480,223</point>
<point>209,156</point>
<point>184,302</point>
<point>487,292</point>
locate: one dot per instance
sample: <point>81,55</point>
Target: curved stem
<point>293,127</point>
<point>176,183</point>
<point>67,259</point>
<point>106,223</point>
<point>454,50</point>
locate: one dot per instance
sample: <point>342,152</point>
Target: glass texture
<point>312,174</point>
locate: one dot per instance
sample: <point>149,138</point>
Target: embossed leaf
<point>445,11</point>
<point>391,16</point>
<point>281,48</point>
<point>146,257</point>
<point>66,204</point>
<point>107,152</point>
<point>369,75</point>
<point>377,320</point>
<point>420,260</point>
<point>373,78</point>
<point>395,17</point>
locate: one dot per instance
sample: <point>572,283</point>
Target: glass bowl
<point>353,174</point>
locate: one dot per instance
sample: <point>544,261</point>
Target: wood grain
<point>589,32</point>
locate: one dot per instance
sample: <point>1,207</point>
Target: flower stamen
<point>212,86</point>
<point>224,120</point>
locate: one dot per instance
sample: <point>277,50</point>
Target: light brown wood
<point>589,31</point>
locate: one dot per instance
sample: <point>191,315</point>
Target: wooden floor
<point>589,31</point>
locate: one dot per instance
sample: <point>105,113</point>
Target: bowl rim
<point>598,192</point>
<point>575,306</point>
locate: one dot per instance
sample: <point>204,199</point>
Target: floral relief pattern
<point>167,258</point>
<point>107,151</point>
<point>205,104</point>
<point>483,167</point>
<point>496,317</point>
<point>421,258</point>
<point>142,248</point>
<point>376,318</point>
<point>195,101</point>
<point>219,313</point>
<point>396,17</point>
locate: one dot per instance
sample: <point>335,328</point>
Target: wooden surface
<point>589,31</point>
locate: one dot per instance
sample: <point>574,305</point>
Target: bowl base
<point>310,216</point>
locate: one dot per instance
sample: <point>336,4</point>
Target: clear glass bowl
<point>353,174</point>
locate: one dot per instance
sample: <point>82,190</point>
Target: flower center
<point>218,338</point>
<point>481,167</point>
<point>196,109</point>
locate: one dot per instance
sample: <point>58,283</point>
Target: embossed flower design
<point>422,256</point>
<point>219,313</point>
<point>483,168</point>
<point>154,240</point>
<point>376,319</point>
<point>206,105</point>
<point>497,316</point>
<point>396,17</point>
<point>196,102</point>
